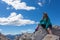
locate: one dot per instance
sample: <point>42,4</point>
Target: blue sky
<point>23,15</point>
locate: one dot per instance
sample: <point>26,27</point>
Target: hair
<point>45,15</point>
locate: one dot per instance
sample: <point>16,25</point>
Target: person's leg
<point>43,26</point>
<point>49,31</point>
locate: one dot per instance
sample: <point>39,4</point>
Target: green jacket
<point>45,22</point>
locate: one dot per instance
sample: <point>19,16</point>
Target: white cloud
<point>44,2</point>
<point>21,31</point>
<point>39,3</point>
<point>11,33</point>
<point>17,4</point>
<point>27,31</point>
<point>16,20</point>
<point>7,8</point>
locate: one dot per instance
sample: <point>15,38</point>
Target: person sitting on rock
<point>45,23</point>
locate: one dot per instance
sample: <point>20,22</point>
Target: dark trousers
<point>44,26</point>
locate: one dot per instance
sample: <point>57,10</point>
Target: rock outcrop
<point>51,37</point>
<point>25,36</point>
<point>3,37</point>
<point>41,34</point>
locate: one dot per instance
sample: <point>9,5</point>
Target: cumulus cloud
<point>17,4</point>
<point>15,19</point>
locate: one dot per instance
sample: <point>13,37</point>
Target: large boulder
<point>40,34</point>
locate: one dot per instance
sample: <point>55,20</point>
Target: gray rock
<point>25,36</point>
<point>51,37</point>
<point>39,35</point>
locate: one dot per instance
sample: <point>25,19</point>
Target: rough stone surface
<point>26,36</point>
<point>51,37</point>
<point>3,37</point>
<point>39,35</point>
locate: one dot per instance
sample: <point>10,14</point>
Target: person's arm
<point>41,22</point>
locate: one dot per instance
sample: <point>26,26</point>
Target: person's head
<point>45,15</point>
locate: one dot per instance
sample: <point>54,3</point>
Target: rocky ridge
<point>41,34</point>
